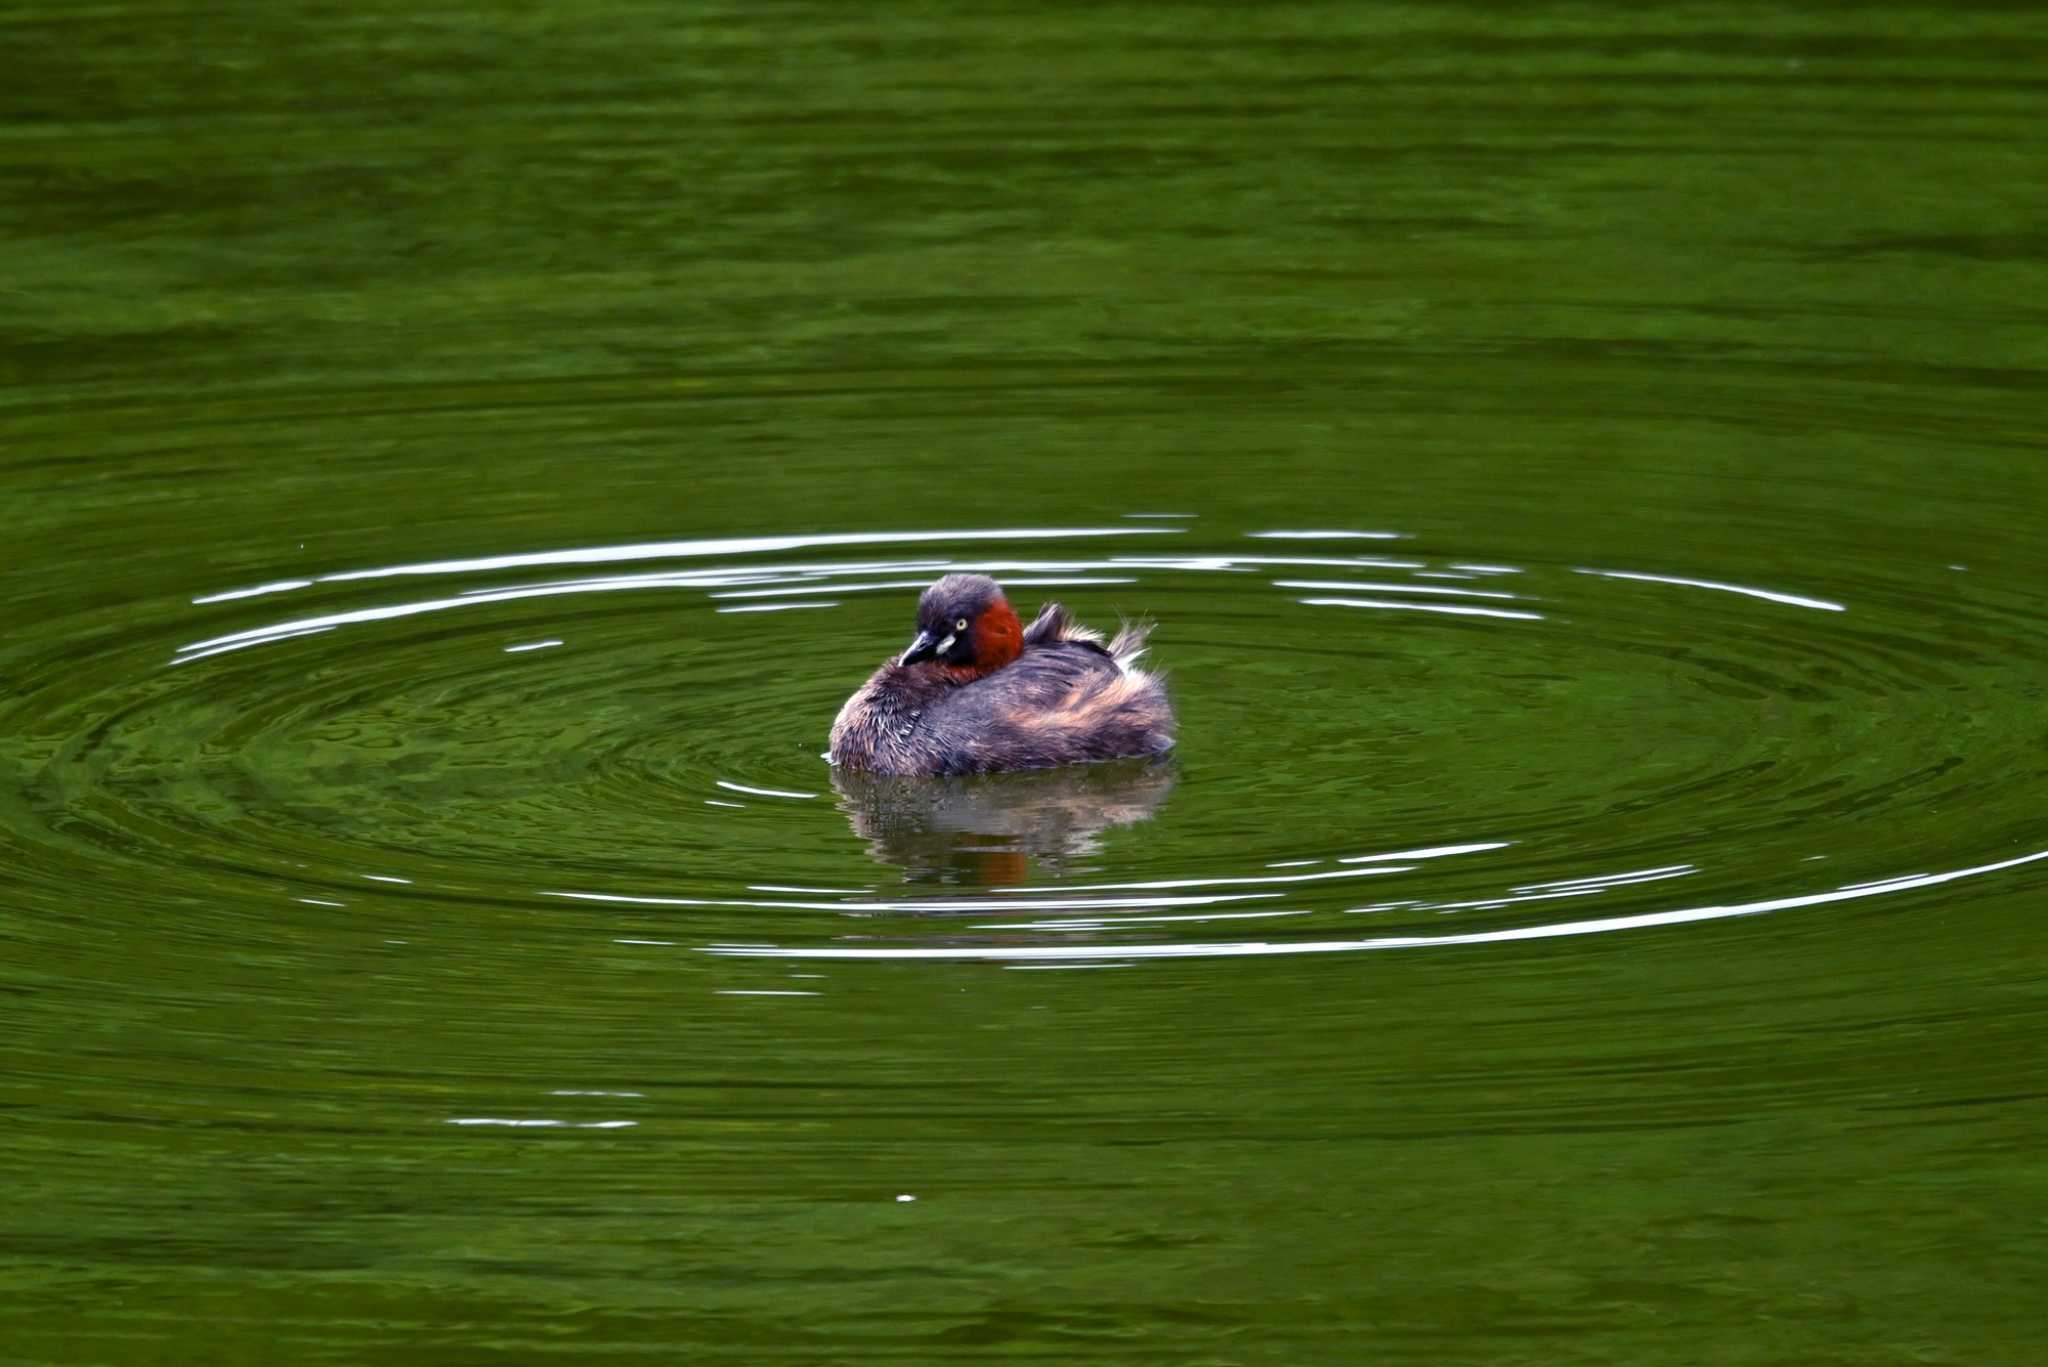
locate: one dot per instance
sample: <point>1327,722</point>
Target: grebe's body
<point>977,691</point>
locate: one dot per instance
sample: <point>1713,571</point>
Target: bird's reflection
<point>987,829</point>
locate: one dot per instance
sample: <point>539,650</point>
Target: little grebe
<point>978,691</point>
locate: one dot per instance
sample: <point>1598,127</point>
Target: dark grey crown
<point>954,597</point>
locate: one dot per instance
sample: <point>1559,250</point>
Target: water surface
<point>1585,465</point>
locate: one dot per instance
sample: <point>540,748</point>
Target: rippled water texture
<point>1585,466</point>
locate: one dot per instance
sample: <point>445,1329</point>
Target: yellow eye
<point>960,624</point>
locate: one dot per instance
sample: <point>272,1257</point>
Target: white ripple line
<point>1343,585</point>
<point>1448,609</point>
<point>1259,948</point>
<point>515,1124</point>
<point>280,586</point>
<point>1329,535</point>
<point>761,792</point>
<point>1248,562</point>
<point>1431,852</point>
<point>1662,871</point>
<point>1107,922</point>
<point>198,652</point>
<point>1789,599</point>
<point>235,640</point>
<point>1515,900</point>
<point>668,579</point>
<point>1168,883</point>
<point>263,635</point>
<point>825,576</point>
<point>739,545</point>
<point>775,607</point>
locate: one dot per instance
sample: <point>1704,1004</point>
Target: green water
<point>1595,915</point>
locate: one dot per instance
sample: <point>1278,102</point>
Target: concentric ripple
<point>620,745</point>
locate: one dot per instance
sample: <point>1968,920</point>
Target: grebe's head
<point>964,622</point>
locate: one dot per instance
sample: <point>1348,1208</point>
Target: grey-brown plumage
<point>976,693</point>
